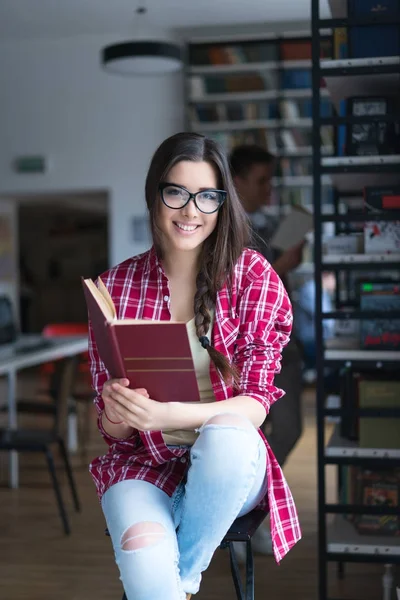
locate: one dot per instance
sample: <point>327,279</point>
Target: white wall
<point>97,130</point>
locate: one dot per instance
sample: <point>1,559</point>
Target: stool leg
<point>235,573</point>
<point>249,572</point>
<point>70,475</point>
<point>57,491</point>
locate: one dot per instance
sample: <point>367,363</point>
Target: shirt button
<point>183,460</point>
<point>166,298</point>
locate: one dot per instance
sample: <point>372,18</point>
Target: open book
<point>292,229</point>
<point>154,355</point>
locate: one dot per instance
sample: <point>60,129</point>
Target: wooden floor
<point>37,562</point>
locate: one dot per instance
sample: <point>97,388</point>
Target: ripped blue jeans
<point>163,544</point>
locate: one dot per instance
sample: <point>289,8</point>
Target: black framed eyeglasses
<point>176,197</point>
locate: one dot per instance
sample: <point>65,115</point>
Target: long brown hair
<point>221,250</point>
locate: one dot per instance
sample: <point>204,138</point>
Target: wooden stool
<point>242,530</point>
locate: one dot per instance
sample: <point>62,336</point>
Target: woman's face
<point>185,229</point>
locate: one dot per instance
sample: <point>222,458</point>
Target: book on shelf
<point>293,228</point>
<point>221,54</point>
<point>378,488</point>
<point>238,83</point>
<point>340,47</point>
<point>255,51</point>
<point>371,487</point>
<point>377,39</point>
<point>296,49</point>
<point>154,355</point>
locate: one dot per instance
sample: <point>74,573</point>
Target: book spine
<point>119,366</point>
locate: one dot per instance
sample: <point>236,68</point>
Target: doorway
<point>61,238</point>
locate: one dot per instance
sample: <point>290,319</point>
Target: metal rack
<point>339,541</point>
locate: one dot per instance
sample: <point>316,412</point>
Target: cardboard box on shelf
<point>343,244</point>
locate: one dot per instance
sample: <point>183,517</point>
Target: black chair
<point>242,530</point>
<point>42,440</point>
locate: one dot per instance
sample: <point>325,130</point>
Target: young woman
<point>178,474</point>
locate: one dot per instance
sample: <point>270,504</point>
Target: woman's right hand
<point>110,405</point>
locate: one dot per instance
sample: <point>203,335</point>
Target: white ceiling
<point>63,18</point>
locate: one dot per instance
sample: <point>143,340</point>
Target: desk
<point>11,362</point>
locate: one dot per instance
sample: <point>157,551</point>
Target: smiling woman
<point>196,465</point>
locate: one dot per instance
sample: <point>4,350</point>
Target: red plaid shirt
<point>252,325</point>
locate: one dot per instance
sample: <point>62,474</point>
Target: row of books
<point>236,138</point>
<point>255,51</point>
<point>233,111</point>
<point>303,196</point>
<point>276,141</point>
<point>241,111</point>
<point>372,40</point>
<point>372,487</point>
<point>294,167</point>
<point>266,80</point>
<point>233,54</point>
<point>221,84</point>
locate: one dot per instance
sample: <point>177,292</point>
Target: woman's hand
<point>133,407</point>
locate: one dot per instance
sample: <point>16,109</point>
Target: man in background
<point>252,170</point>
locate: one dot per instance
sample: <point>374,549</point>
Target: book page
<point>292,229</point>
<point>106,295</point>
<point>101,301</point>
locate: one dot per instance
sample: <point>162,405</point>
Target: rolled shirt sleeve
<point>265,316</point>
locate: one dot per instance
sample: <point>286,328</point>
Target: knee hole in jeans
<point>141,535</point>
<point>230,419</point>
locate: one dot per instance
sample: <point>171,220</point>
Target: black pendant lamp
<point>142,56</point>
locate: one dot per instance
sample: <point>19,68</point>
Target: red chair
<point>65,330</point>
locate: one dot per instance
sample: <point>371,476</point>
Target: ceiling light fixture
<point>142,56</point>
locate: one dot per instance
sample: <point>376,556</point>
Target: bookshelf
<point>257,89</point>
<point>344,526</point>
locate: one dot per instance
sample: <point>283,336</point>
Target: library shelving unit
<point>257,89</point>
<point>339,541</point>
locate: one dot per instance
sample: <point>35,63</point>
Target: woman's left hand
<point>137,410</point>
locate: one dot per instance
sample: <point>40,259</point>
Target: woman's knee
<point>140,535</point>
<point>147,558</point>
<point>227,441</point>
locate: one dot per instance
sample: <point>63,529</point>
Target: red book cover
<point>154,355</point>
